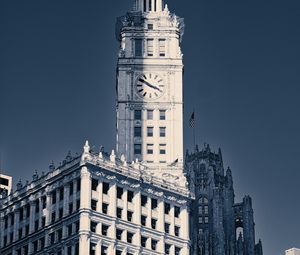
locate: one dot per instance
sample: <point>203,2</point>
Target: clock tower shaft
<point>149,85</point>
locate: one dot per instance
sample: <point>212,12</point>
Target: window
<point>167,248</point>
<point>149,114</point>
<point>130,195</point>
<point>6,222</point>
<point>137,149</point>
<point>150,131</point>
<point>153,223</point>
<point>61,213</point>
<point>36,225</point>
<point>167,228</point>
<point>53,216</point>
<point>150,6</point>
<point>167,208</point>
<point>153,203</point>
<point>42,243</point>
<point>119,213</point>
<point>93,226</point>
<point>77,226</point>
<point>143,241</point>
<point>61,194</point>
<point>137,132</point>
<point>93,249</point>
<point>104,208</point>
<point>150,45</point>
<point>104,230</point>
<point>52,238</point>
<point>138,114</point>
<point>44,202</point>
<point>119,233</point>
<point>162,114</point>
<point>37,206</point>
<point>78,184</point>
<point>138,47</point>
<point>162,131</point>
<point>12,216</point>
<point>177,230</point>
<point>118,252</point>
<point>177,251</point>
<point>150,26</point>
<point>103,250</point>
<point>21,216</point>
<point>70,208</point>
<point>77,204</point>
<point>94,204</point>
<point>71,188</point>
<point>119,192</point>
<point>145,5</point>
<point>144,200</point>
<point>129,215</point>
<point>206,209</point>
<point>94,184</point>
<point>69,250</point>
<point>143,220</point>
<point>153,244</point>
<point>20,233</point>
<point>162,47</point>
<point>43,222</point>
<point>59,235</point>
<point>206,220</point>
<point>53,197</point>
<point>129,237</point>
<point>162,149</point>
<point>177,211</point>
<point>77,249</point>
<point>150,148</point>
<point>105,188</point>
<point>70,229</point>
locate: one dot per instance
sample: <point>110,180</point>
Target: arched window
<point>203,210</point>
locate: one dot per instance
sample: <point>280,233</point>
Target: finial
<point>100,155</point>
<point>51,166</point>
<point>113,156</point>
<point>86,148</point>
<point>69,157</point>
<point>123,159</point>
<point>35,176</point>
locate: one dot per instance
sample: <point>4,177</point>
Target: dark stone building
<point>219,225</point>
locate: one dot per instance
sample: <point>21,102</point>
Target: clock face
<point>150,86</point>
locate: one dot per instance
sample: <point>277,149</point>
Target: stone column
<point>16,225</point>
<point>32,216</point>
<point>185,222</point>
<point>161,224</point>
<point>48,208</point>
<point>84,244</point>
<point>172,217</point>
<point>66,199</point>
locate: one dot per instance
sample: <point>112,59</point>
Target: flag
<point>192,120</point>
<point>174,163</point>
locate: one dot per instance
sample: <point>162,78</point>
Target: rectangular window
<point>162,114</point>
<point>138,114</point>
<point>78,184</point>
<point>104,230</point>
<point>93,226</point>
<point>61,213</point>
<point>69,250</point>
<point>138,47</point>
<point>70,208</point>
<point>42,243</point>
<point>92,249</point>
<point>143,220</point>
<point>119,213</point>
<point>153,244</point>
<point>167,208</point>
<point>105,188</point>
<point>150,131</point>
<point>150,148</point>
<point>37,206</point>
<point>53,216</point>
<point>61,194</point>
<point>20,217</point>
<point>177,230</point>
<point>94,204</point>
<point>59,235</point>
<point>137,149</point>
<point>119,233</point>
<point>129,215</point>
<point>71,188</point>
<point>53,197</point>
<point>153,203</point>
<point>143,241</point>
<point>167,248</point>
<point>137,132</point>
<point>36,225</point>
<point>162,131</point>
<point>44,202</point>
<point>150,47</point>
<point>149,114</point>
<point>104,208</point>
<point>129,237</point>
<point>162,47</point>
<point>103,250</point>
<point>43,222</point>
<point>162,149</point>
<point>70,229</point>
<point>130,195</point>
<point>167,228</point>
<point>177,251</point>
<point>144,200</point>
<point>153,223</point>
<point>94,184</point>
<point>177,211</point>
<point>119,192</point>
<point>150,5</point>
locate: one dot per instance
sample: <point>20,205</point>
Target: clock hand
<point>151,86</point>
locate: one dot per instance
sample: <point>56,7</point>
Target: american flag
<point>192,120</point>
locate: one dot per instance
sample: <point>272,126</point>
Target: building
<point>292,251</point>
<point>5,185</point>
<point>143,199</point>
<point>220,225</point>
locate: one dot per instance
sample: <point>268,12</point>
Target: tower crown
<point>148,5</point>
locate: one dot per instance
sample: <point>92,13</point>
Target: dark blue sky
<point>57,88</point>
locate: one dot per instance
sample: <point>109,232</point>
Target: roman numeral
<point>141,90</point>
<point>144,94</point>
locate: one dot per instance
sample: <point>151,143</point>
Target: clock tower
<point>149,86</point>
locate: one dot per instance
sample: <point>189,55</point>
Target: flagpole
<point>194,131</point>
